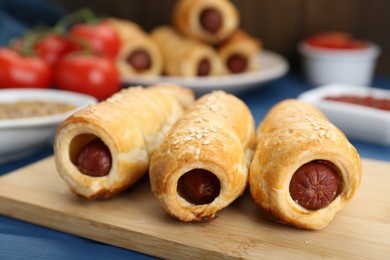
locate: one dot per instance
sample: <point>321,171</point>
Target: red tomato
<point>52,47</point>
<point>335,40</point>
<point>89,74</point>
<point>17,71</point>
<point>102,38</point>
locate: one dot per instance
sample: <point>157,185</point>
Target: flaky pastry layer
<point>292,134</point>
<point>132,123</point>
<point>217,135</point>
<point>182,55</point>
<point>134,38</point>
<point>243,44</point>
<point>186,13</point>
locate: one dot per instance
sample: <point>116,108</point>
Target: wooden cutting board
<point>135,220</point>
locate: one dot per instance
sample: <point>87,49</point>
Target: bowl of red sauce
<point>361,112</point>
<point>337,57</point>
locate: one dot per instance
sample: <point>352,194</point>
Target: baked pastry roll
<point>138,54</point>
<point>304,169</point>
<point>210,21</point>
<point>184,56</point>
<point>202,164</point>
<point>239,53</point>
<point>103,149</point>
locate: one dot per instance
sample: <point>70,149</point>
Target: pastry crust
<point>133,39</point>
<point>292,134</point>
<point>242,44</point>
<point>216,134</point>
<point>182,55</point>
<point>186,18</point>
<point>132,123</point>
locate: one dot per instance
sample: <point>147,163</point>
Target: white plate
<point>272,66</point>
<point>22,137</point>
<point>356,121</point>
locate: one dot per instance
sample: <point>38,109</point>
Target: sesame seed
<point>198,136</point>
<point>206,142</point>
<point>176,142</point>
<point>213,130</point>
<point>317,127</point>
<point>197,151</point>
<point>214,108</point>
<point>191,130</point>
<point>177,147</point>
<point>187,138</point>
<point>327,135</point>
<point>198,131</point>
<point>198,120</point>
<point>313,136</point>
<point>205,135</point>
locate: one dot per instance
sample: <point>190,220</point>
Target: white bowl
<point>22,137</point>
<point>356,121</point>
<point>351,66</point>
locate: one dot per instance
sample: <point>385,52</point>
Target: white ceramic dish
<point>272,66</point>
<point>356,121</point>
<point>22,137</point>
<point>326,66</point>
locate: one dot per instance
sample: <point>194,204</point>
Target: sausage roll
<point>106,147</point>
<point>210,21</point>
<point>138,54</point>
<point>304,169</point>
<point>202,164</point>
<point>184,56</point>
<point>239,53</point>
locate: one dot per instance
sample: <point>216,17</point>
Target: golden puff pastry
<point>103,149</point>
<point>138,55</point>
<point>184,56</point>
<point>202,164</point>
<point>210,21</point>
<point>304,169</point>
<point>239,53</point>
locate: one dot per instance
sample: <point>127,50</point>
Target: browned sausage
<point>211,20</point>
<point>204,67</point>
<point>139,60</point>
<point>94,159</point>
<point>315,185</point>
<point>199,186</point>
<point>237,63</point>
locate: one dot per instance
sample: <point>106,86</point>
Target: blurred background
<point>280,24</point>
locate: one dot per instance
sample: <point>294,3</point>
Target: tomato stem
<point>84,15</point>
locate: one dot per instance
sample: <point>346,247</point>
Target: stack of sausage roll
<point>205,40</point>
<point>202,154</point>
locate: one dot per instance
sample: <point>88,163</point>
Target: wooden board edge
<point>143,243</point>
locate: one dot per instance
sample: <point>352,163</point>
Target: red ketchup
<point>335,40</point>
<point>369,101</point>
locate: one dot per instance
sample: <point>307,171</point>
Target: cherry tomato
<point>52,47</point>
<point>89,74</point>
<point>335,40</point>
<point>17,71</point>
<point>102,38</point>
